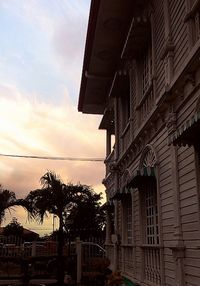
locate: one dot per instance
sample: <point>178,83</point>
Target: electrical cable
<point>53,158</point>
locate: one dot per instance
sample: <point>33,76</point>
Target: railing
<point>152,264</point>
<point>31,259</point>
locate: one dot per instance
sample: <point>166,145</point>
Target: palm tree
<point>56,198</point>
<point>7,201</point>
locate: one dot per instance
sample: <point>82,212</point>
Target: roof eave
<point>94,8</point>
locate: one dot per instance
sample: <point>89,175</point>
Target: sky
<point>41,56</point>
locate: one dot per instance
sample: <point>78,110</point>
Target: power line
<point>53,158</point>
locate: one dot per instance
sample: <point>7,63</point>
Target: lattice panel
<point>152,265</point>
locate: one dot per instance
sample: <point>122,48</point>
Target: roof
<point>108,26</point>
<point>25,231</point>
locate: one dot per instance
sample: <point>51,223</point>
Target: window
<point>145,98</point>
<point>149,199</point>
<point>127,213</point>
<point>125,102</point>
<point>146,69</point>
<point>150,222</point>
<point>151,231</point>
<point>129,222</point>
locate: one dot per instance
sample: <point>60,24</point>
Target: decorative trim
<point>148,158</point>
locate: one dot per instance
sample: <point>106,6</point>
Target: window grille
<point>151,246</point>
<point>151,220</point>
<point>129,223</point>
<point>127,219</point>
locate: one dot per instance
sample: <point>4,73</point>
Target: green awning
<point>187,133</point>
<point>128,282</point>
<point>139,177</point>
<point>120,194</point>
<point>142,176</point>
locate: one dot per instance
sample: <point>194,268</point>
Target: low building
<point>27,235</point>
<point>141,71</point>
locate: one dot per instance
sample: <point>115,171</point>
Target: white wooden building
<point>141,71</point>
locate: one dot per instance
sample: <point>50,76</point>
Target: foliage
<point>13,228</point>
<point>56,198</point>
<point>86,218</point>
<point>7,200</point>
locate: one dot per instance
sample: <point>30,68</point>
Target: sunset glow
<point>41,54</point>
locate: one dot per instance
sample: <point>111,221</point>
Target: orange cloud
<point>37,128</point>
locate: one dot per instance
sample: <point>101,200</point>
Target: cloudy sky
<point>41,56</point>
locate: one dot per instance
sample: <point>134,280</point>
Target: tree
<point>13,228</point>
<point>86,218</point>
<point>8,200</point>
<point>56,198</point>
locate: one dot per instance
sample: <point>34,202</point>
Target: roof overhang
<point>108,121</point>
<point>109,22</point>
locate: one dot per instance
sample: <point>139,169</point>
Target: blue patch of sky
<point>27,59</point>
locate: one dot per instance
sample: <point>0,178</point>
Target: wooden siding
<point>186,182</point>
<point>166,203</point>
<point>189,213</point>
<point>187,111</point>
<point>179,32</point>
<point>158,42</point>
<point>133,101</point>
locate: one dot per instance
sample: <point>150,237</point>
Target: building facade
<point>141,71</point>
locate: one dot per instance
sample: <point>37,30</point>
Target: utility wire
<point>53,158</point>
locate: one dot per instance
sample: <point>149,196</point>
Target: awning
<point>142,176</point>
<point>120,194</point>
<point>187,133</point>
